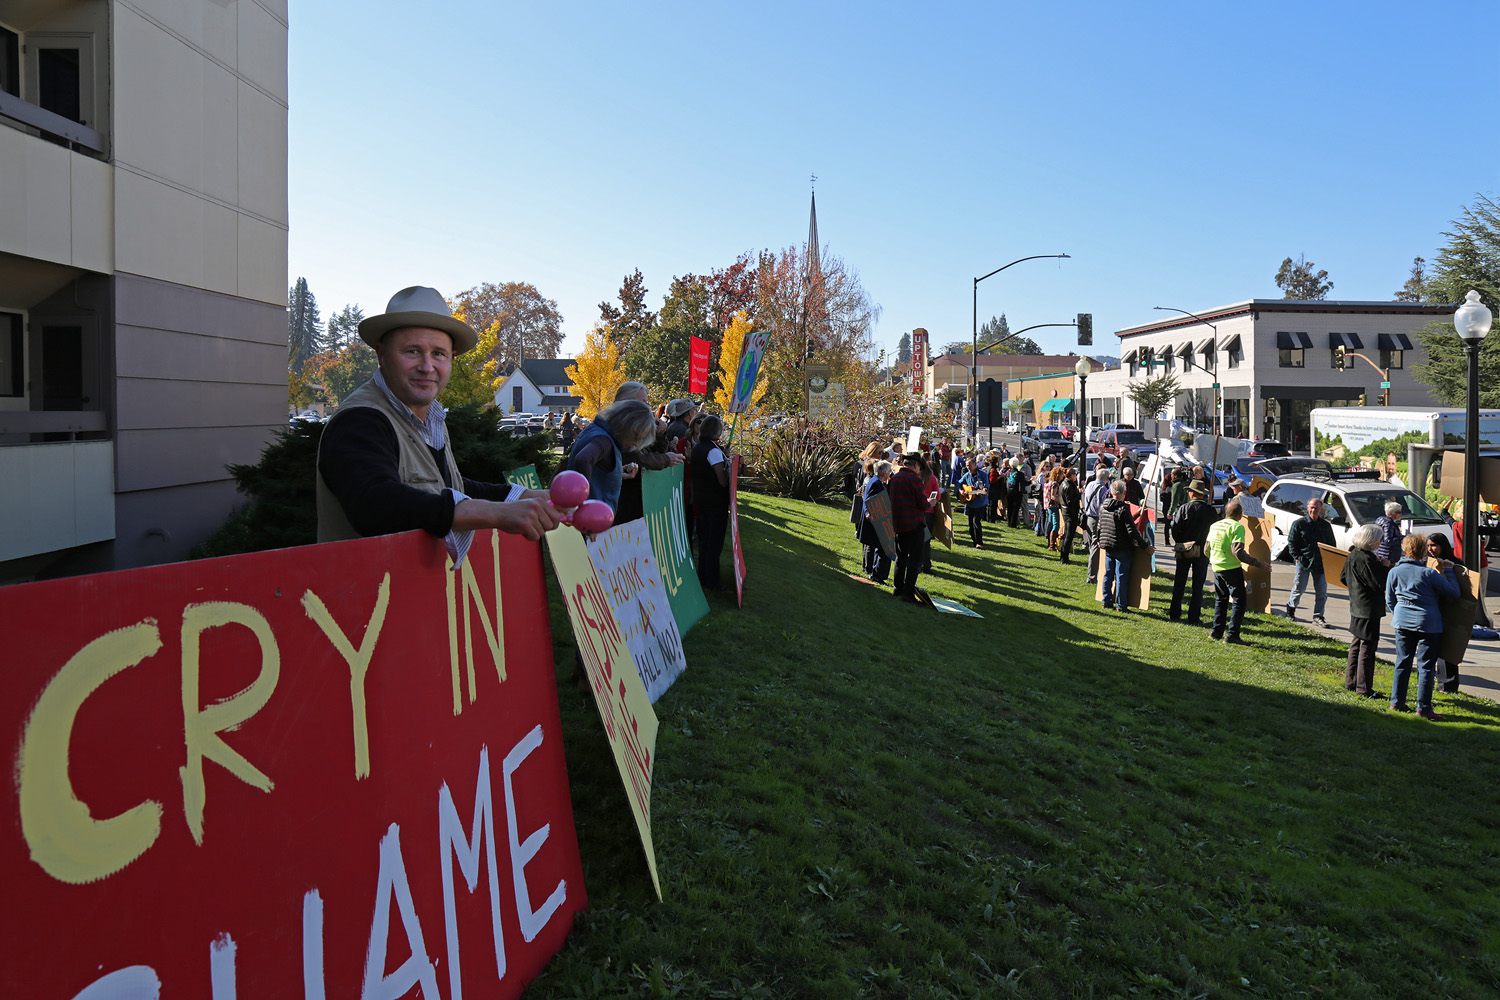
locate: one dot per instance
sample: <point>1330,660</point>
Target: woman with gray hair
<point>1364,575</point>
<point>1389,549</point>
<point>598,454</point>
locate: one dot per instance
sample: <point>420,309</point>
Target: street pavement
<point>1479,674</point>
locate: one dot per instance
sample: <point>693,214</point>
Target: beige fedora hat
<point>418,306</point>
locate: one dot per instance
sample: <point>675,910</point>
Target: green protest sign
<point>524,476</point>
<point>661,496</point>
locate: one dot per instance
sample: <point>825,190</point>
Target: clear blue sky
<point>1178,151</point>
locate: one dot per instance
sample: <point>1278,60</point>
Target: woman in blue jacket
<point>1411,596</point>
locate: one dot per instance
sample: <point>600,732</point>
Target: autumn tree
<point>631,318</point>
<point>527,323</point>
<point>730,349</point>
<point>1299,281</point>
<point>732,290</point>
<point>341,371</point>
<point>476,373</point>
<point>304,326</point>
<point>597,373</point>
<point>660,356</point>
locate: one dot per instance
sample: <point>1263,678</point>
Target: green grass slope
<point>856,797</point>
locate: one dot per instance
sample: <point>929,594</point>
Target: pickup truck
<point>1122,442</point>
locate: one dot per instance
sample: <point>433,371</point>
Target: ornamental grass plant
<point>856,797</point>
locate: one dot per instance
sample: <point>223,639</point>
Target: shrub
<point>283,509</point>
<point>800,463</point>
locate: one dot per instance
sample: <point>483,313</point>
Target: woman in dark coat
<point>877,563</point>
<point>1364,575</point>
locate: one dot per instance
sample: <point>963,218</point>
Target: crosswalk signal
<point>1085,329</point>
<point>1338,356</point>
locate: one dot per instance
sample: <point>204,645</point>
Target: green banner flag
<point>661,496</point>
<point>524,476</point>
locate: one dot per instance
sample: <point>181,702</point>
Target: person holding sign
<point>973,489</point>
<point>877,563</point>
<point>908,517</point>
<point>1191,525</point>
<point>1411,596</point>
<point>385,462</point>
<point>1118,538</point>
<point>1228,556</point>
<point>710,468</point>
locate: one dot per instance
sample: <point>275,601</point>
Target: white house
<point>1273,362</point>
<point>540,385</point>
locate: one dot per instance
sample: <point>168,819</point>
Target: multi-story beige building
<point>1273,360</point>
<point>954,369</point>
<point>143,250</point>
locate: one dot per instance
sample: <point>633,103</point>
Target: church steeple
<point>814,265</point>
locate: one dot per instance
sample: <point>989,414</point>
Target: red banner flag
<point>230,775</point>
<point>698,370</point>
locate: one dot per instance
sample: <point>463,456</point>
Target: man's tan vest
<point>415,463</point>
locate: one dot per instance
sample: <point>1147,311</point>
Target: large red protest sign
<point>698,369</point>
<point>327,771</point>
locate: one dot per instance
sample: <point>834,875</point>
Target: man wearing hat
<point>679,418</point>
<point>385,463</point>
<point>1190,527</point>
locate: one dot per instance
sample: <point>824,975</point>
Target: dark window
<point>10,62</point>
<point>1289,357</point>
<point>515,397</point>
<point>62,368</point>
<point>1390,359</point>
<point>58,85</point>
<point>12,356</point>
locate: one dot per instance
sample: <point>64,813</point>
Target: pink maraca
<point>592,516</point>
<point>568,489</point>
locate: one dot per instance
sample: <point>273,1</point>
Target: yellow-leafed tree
<point>597,372</point>
<point>476,372</point>
<point>729,364</point>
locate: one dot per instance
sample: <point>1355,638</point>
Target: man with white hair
<point>1093,498</point>
<point>1389,549</point>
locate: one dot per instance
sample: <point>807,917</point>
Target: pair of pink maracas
<point>569,493</point>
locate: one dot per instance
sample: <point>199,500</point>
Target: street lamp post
<point>1218,404</point>
<point>1081,369</point>
<point>974,358</point>
<point>1472,321</point>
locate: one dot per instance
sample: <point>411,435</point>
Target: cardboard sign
<point>626,566</point>
<point>878,509</point>
<point>524,476</point>
<point>1454,465</point>
<point>1258,578</point>
<point>698,364</point>
<point>624,708</point>
<point>661,498</point>
<point>1210,449</point>
<point>734,530</point>
<point>942,524</point>
<point>913,439</point>
<point>1459,614</point>
<point>334,770</point>
<point>948,607</point>
<point>1333,562</point>
<point>749,370</point>
<point>1142,563</point>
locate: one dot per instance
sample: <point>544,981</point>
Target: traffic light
<point>808,354</point>
<point>1338,356</point>
<point>1085,329</point>
<point>1361,399</point>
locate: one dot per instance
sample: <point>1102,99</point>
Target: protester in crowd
<point>655,456</point>
<point>1038,492</point>
<point>862,475</point>
<point>1302,544</point>
<point>566,431</point>
<point>1484,561</point>
<point>1179,494</point>
<point>1070,501</point>
<point>1094,496</point>
<point>1134,492</point>
<point>895,451</point>
<point>1364,575</point>
<point>877,562</point>
<point>930,493</point>
<point>1412,590</point>
<point>1055,479</point>
<point>1391,534</point>
<point>960,464</point>
<point>680,413</point>
<point>1190,526</point>
<point>974,483</point>
<point>997,497</point>
<point>1119,538</point>
<point>599,451</point>
<point>1446,670</point>
<point>385,462</point>
<point>908,507</point>
<point>1228,556</point>
<point>945,459</point>
<point>710,499</point>
<point>1164,503</point>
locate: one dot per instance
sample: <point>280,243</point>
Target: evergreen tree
<point>1297,280</point>
<point>632,318</point>
<point>1416,283</point>
<point>343,328</point>
<point>304,325</point>
<point>903,350</point>
<point>1470,259</point>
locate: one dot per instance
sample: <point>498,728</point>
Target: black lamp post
<point>974,358</point>
<point>1082,368</point>
<point>1472,321</point>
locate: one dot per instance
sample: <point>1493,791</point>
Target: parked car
<point>1353,500</point>
<point>1120,442</point>
<point>1253,448</point>
<point>1293,465</point>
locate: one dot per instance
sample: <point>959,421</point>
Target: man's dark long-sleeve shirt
<point>358,459</point>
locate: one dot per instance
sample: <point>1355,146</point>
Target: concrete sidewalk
<point>1479,674</point>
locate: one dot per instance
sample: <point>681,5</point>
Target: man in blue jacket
<point>1411,595</point>
<point>1302,543</point>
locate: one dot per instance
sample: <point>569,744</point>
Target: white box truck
<point>1348,436</point>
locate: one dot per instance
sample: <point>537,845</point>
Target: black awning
<point>1186,350</point>
<point>1129,357</point>
<point>1293,341</point>
<point>1207,346</point>
<point>1348,340</point>
<point>1230,343</point>
<point>1393,342</point>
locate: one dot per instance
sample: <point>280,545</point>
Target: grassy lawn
<point>858,797</point>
